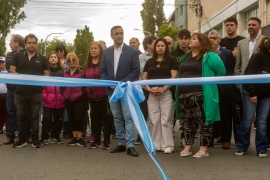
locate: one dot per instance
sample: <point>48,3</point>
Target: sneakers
<point>81,143</point>
<point>43,142</point>
<point>19,144</point>
<point>262,154</point>
<point>56,141</point>
<point>91,138</point>
<point>268,148</point>
<point>201,154</point>
<point>73,142</point>
<point>185,153</point>
<point>240,153</point>
<point>168,150</point>
<point>36,144</point>
<point>106,146</point>
<point>94,145</point>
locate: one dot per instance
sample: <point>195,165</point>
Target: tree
<point>152,15</point>
<point>167,30</point>
<point>10,16</point>
<point>52,44</point>
<point>81,43</point>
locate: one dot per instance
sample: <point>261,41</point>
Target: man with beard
<point>245,49</point>
<point>28,98</point>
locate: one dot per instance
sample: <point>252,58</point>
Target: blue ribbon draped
<point>132,94</point>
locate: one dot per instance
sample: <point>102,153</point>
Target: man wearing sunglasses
<point>28,98</point>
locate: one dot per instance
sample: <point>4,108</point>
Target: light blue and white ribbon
<point>132,94</point>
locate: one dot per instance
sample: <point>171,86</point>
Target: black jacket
<point>259,63</point>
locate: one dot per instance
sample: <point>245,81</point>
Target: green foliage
<point>10,16</point>
<point>52,44</point>
<point>2,47</point>
<point>81,43</point>
<point>160,16</point>
<point>167,30</point>
<point>152,15</point>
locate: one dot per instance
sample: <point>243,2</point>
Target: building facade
<point>214,13</point>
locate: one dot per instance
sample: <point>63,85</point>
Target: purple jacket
<point>92,72</point>
<point>51,95</point>
<point>73,93</point>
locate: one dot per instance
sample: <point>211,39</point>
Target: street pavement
<point>55,162</point>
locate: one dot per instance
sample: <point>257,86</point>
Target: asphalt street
<point>76,163</point>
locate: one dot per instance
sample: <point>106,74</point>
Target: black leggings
<point>76,111</point>
<point>100,119</point>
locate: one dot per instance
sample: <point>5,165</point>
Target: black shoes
<point>118,149</point>
<point>132,152</point>
<point>19,143</point>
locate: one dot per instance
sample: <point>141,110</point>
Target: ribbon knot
<point>131,89</point>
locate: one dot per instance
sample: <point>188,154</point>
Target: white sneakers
<point>168,150</point>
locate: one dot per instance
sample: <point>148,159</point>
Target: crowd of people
<point>215,111</point>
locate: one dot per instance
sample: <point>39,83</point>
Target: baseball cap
<point>2,59</point>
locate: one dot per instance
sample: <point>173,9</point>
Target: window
<point>252,13</point>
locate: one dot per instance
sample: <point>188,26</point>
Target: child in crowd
<point>53,105</point>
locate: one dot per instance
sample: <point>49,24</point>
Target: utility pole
<point>199,12</point>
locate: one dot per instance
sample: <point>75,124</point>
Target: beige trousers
<point>160,115</point>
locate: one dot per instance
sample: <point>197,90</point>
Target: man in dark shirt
<point>28,98</point>
<point>230,42</point>
<point>183,42</point>
<point>16,45</point>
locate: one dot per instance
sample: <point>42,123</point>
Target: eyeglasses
<point>59,50</point>
<point>169,43</point>
<point>214,38</point>
<point>71,60</point>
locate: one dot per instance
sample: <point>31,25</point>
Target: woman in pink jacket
<point>98,98</point>
<point>53,105</point>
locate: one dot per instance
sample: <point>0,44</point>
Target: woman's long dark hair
<point>166,53</point>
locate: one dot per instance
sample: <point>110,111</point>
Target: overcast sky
<point>66,16</point>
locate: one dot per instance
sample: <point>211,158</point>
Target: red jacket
<point>73,93</point>
<point>92,72</point>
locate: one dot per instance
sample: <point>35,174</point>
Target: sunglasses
<point>59,50</point>
<point>169,43</point>
<point>71,60</point>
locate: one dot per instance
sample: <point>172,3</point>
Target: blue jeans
<point>122,122</point>
<point>12,121</point>
<point>261,108</point>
